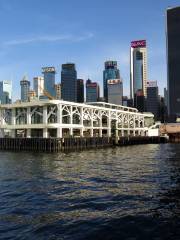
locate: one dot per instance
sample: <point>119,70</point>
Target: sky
<point>39,33</point>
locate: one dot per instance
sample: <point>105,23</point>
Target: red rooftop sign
<point>140,43</point>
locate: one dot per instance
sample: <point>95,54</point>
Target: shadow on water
<point>120,193</point>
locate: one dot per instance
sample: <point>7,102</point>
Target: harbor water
<point>130,192</point>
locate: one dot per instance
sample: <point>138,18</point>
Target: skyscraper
<point>138,73</point>
<point>58,91</point>
<point>69,82</point>
<point>49,80</point>
<point>111,71</point>
<point>5,92</point>
<point>25,87</point>
<point>153,102</point>
<point>38,85</point>
<point>115,91</point>
<point>31,95</point>
<point>173,61</point>
<point>80,90</point>
<point>92,91</point>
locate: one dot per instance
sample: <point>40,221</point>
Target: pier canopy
<point>57,118</point>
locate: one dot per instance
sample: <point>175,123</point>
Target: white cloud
<point>49,38</point>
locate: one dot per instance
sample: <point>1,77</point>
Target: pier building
<point>60,119</point>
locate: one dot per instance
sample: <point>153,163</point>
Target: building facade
<point>115,91</point>
<point>92,91</point>
<point>138,73</point>
<point>80,90</point>
<point>25,87</point>
<point>153,100</point>
<point>69,82</point>
<point>38,86</point>
<point>32,95</point>
<point>49,80</point>
<point>58,91</point>
<point>5,92</point>
<point>173,60</point>
<point>111,71</point>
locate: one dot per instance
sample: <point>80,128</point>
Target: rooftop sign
<point>92,84</point>
<point>152,84</point>
<point>114,81</point>
<point>48,69</point>
<point>138,44</point>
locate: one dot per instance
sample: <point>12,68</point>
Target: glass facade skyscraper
<point>153,101</point>
<point>69,82</point>
<point>173,62</point>
<point>25,87</point>
<point>138,74</point>
<point>5,92</point>
<point>110,72</point>
<point>138,70</point>
<point>49,80</point>
<point>80,90</point>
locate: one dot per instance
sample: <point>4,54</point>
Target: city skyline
<point>50,37</point>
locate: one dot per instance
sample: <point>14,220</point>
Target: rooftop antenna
<point>25,77</point>
<point>12,77</point>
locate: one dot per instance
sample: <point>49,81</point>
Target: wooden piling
<point>73,144</point>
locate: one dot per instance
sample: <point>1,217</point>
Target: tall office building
<point>80,90</point>
<point>25,87</point>
<point>138,73</point>
<point>165,97</point>
<point>115,92</point>
<point>38,85</point>
<point>49,80</point>
<point>69,82</point>
<point>173,61</point>
<point>32,95</point>
<point>92,91</point>
<point>5,92</point>
<point>153,101</point>
<point>111,71</point>
<point>58,91</point>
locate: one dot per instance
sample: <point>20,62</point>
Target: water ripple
<point>120,193</point>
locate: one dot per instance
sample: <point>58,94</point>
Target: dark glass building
<point>153,101</point>
<point>173,62</point>
<point>69,82</point>
<point>80,90</point>
<point>110,72</point>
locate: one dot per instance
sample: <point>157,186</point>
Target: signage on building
<point>48,69</point>
<point>113,81</point>
<point>139,43</point>
<point>93,84</point>
<point>110,63</point>
<point>152,84</point>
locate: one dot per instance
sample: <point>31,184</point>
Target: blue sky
<point>38,33</point>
